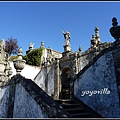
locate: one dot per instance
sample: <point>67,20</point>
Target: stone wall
<point>96,84</point>
<point>85,57</point>
<point>22,98</point>
<point>45,79</point>
<point>4,100</point>
<point>25,106</point>
<point>40,78</point>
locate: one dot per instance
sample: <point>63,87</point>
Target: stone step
<point>67,106</point>
<point>81,115</point>
<point>64,101</point>
<point>75,110</point>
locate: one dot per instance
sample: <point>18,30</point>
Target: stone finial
<point>31,46</point>
<point>93,41</point>
<point>97,36</point>
<point>19,63</point>
<point>42,44</point>
<point>20,53</point>
<point>80,48</point>
<point>93,37</point>
<point>96,31</point>
<point>114,22</point>
<point>115,30</point>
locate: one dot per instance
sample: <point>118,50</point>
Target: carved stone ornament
<point>19,63</point>
<point>115,30</point>
<point>93,41</point>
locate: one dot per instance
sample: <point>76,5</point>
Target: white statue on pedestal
<point>67,37</point>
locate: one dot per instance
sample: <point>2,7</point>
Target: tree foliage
<point>11,46</point>
<point>34,57</point>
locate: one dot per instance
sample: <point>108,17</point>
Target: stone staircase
<point>77,109</point>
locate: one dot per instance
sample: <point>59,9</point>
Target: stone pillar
<point>57,81</point>
<point>2,63</point>
<point>46,77</point>
<point>2,69</point>
<point>2,50</point>
<point>5,69</point>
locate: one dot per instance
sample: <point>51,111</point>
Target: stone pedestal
<point>67,48</point>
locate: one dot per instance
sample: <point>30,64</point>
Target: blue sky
<point>44,21</point>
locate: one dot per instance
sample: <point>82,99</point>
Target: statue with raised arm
<point>67,37</point>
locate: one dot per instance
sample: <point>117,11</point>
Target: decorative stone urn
<point>19,63</point>
<point>115,30</point>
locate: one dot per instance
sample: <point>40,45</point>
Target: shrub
<point>34,57</point>
<point>13,58</point>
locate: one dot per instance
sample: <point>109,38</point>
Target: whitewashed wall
<point>97,77</point>
<point>29,71</point>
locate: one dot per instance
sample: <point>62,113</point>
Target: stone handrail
<point>48,105</point>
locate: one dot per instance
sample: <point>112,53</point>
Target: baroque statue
<point>67,37</point>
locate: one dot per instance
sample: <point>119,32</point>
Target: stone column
<point>2,63</point>
<point>2,69</point>
<point>57,81</point>
<point>46,67</point>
